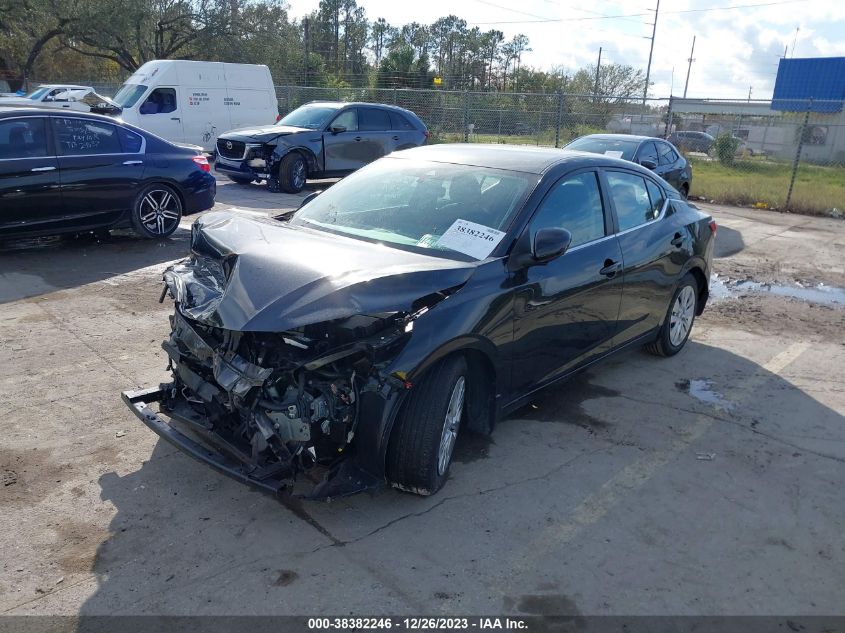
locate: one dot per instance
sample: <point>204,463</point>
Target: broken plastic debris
<point>705,457</point>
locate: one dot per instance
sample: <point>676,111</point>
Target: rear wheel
<point>679,319</point>
<point>685,190</point>
<point>420,450</point>
<point>156,212</point>
<point>293,172</point>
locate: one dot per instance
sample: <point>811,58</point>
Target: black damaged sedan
<point>426,295</point>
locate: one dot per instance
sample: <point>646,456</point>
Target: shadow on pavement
<point>728,242</point>
<point>32,267</point>
<point>185,540</point>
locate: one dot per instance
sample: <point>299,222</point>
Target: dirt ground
<point>707,483</point>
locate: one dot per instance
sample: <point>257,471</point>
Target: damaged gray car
<point>431,292</point>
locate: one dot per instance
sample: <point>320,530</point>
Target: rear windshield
<point>609,146</point>
<point>36,94</point>
<point>129,94</point>
<point>311,117</point>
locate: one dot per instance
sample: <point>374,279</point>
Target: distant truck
<point>68,96</point>
<point>194,101</point>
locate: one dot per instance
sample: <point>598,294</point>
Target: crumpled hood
<point>263,133</point>
<point>262,276</point>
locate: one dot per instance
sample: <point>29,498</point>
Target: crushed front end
<point>270,407</point>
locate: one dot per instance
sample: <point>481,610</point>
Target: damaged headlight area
<point>279,403</point>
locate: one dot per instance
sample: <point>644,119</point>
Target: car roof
<point>620,137</point>
<point>9,111</point>
<point>524,158</point>
<point>343,104</point>
<point>69,86</point>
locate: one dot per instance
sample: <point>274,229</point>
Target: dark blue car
<point>64,172</point>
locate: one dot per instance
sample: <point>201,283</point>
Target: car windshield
<point>37,93</point>
<point>411,204</point>
<point>312,117</point>
<point>618,148</point>
<point>129,94</point>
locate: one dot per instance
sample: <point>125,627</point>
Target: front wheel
<point>421,444</point>
<point>293,172</point>
<point>678,323</point>
<point>157,212</point>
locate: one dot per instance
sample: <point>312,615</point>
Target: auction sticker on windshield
<point>613,153</point>
<point>475,240</point>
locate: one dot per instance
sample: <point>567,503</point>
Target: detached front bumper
<point>343,480</point>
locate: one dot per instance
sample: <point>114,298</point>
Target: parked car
<point>194,101</point>
<point>64,96</point>
<point>425,295</point>
<point>653,153</point>
<point>63,172</point>
<point>317,140</point>
<point>691,141</point>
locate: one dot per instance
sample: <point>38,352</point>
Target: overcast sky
<point>735,49</point>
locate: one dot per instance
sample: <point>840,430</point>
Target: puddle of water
<point>702,390</point>
<point>723,288</point>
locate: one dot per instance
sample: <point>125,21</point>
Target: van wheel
<point>293,172</point>
<point>156,212</point>
<point>420,449</point>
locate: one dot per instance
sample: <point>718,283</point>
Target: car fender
<point>283,150</point>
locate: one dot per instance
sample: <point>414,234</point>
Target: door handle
<point>357,138</point>
<point>396,138</point>
<point>133,162</point>
<point>610,268</point>
<point>175,118</point>
<point>49,168</point>
<point>677,241</point>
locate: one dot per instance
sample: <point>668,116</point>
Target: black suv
<point>317,140</point>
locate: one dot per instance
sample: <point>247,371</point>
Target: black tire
<point>413,453</point>
<point>156,212</point>
<point>293,172</point>
<point>240,181</point>
<point>669,340</point>
<point>685,191</point>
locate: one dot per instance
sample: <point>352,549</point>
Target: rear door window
<point>23,138</point>
<point>130,141</point>
<point>399,121</point>
<point>85,137</point>
<point>373,120</point>
<point>631,199</point>
<point>655,195</point>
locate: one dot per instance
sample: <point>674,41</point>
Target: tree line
<point>337,45</point>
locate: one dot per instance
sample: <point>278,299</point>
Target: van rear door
<point>251,98</point>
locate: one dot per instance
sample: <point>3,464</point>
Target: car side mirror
<point>337,129</point>
<point>550,243</point>
<point>309,198</point>
<point>648,163</point>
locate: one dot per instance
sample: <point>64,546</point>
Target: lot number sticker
<point>613,153</point>
<point>475,240</point>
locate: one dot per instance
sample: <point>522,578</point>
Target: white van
<point>193,102</point>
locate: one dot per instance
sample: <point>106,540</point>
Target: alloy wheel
<point>160,211</point>
<point>450,425</point>
<point>682,315</point>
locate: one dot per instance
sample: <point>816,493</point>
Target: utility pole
<point>305,40</point>
<point>749,94</point>
<point>598,68</point>
<point>795,40</point>
<point>651,51</point>
<point>689,67</point>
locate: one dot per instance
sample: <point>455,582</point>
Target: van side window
<point>160,101</point>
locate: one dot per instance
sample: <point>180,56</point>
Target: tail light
<point>201,162</point>
<point>278,118</point>
<point>713,226</point>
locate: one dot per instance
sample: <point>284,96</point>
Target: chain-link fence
<point>769,154</point>
<point>774,155</point>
